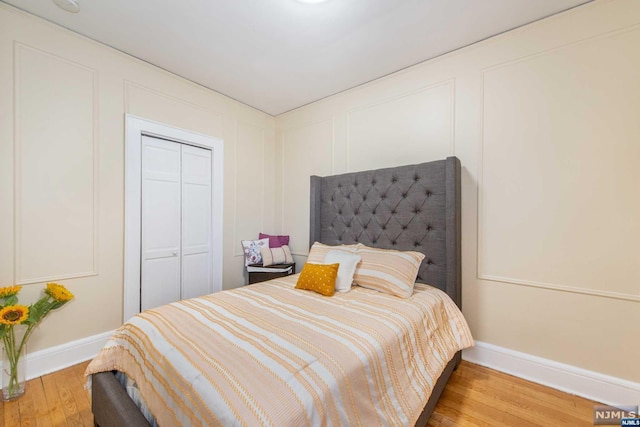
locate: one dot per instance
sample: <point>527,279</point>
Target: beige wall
<point>546,122</point>
<point>62,104</point>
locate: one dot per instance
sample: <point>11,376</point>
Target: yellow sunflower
<point>58,292</point>
<point>9,291</point>
<point>14,314</point>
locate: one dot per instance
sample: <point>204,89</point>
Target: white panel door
<point>160,229</point>
<point>197,256</point>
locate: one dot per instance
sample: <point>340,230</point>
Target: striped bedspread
<point>269,354</point>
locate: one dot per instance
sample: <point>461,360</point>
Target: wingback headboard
<point>415,207</point>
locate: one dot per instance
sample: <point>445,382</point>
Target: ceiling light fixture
<point>69,5</point>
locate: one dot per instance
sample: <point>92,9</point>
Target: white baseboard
<point>570,379</point>
<point>64,355</point>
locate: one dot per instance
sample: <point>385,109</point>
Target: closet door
<point>161,222</point>
<point>197,274</point>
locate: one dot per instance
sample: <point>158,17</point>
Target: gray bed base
<point>413,207</point>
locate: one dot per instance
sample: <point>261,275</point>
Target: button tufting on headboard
<point>403,208</point>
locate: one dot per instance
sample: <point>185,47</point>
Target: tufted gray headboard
<point>414,207</point>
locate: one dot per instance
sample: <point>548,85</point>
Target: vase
<point>13,362</point>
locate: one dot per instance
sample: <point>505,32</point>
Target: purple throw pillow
<point>275,241</point>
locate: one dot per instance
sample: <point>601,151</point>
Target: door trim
<point>135,127</point>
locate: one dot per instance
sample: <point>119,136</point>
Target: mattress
<point>269,354</point>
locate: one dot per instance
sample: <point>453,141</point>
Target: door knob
<point>175,253</point>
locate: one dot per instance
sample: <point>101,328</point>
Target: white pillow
<point>348,263</point>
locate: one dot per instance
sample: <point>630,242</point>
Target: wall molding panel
<point>129,85</point>
<point>239,195</point>
<point>561,47</point>
<point>49,204</point>
<point>561,288</point>
<point>303,155</point>
<point>201,113</point>
<point>560,174</point>
<point>442,133</point>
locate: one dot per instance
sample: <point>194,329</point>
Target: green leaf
<point>38,311</point>
<point>58,304</point>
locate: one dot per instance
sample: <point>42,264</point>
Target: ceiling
<point>277,55</point>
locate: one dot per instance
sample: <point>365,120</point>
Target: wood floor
<point>478,396</point>
<point>475,396</point>
<point>57,399</point>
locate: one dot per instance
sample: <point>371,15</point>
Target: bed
<point>407,208</point>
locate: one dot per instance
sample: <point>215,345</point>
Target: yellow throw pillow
<point>320,278</point>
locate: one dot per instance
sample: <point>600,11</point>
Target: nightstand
<point>258,273</point>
